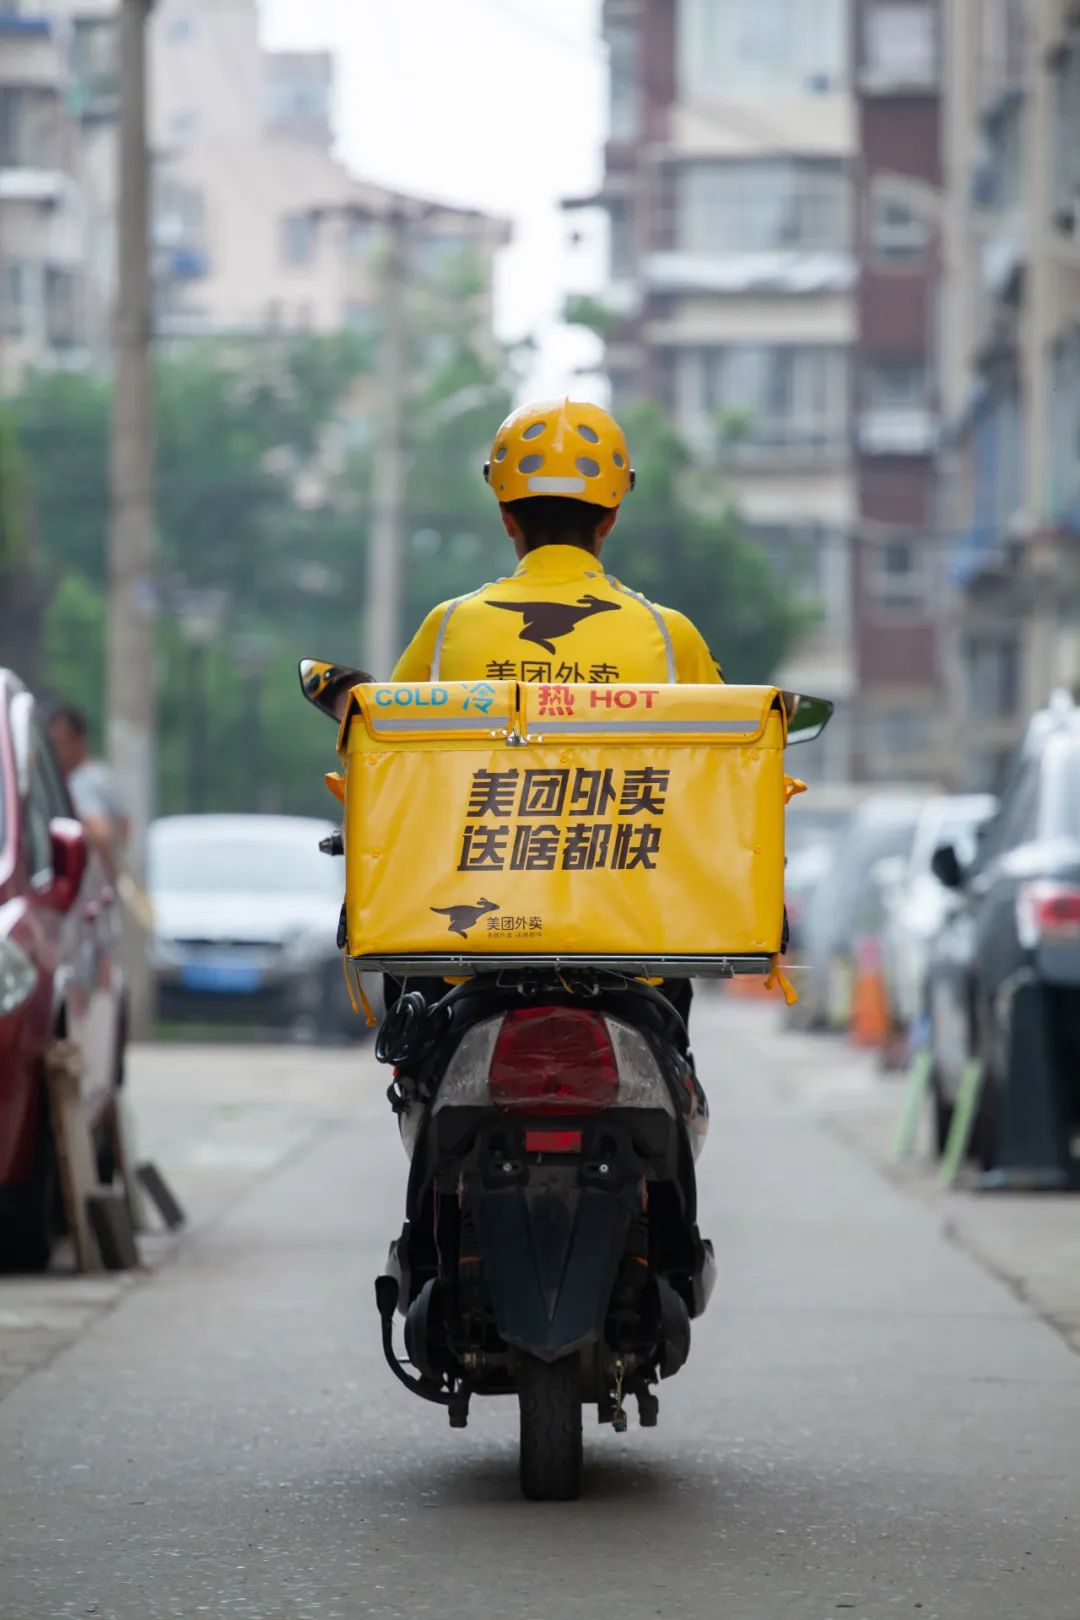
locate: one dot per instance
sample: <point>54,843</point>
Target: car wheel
<point>986,1133</point>
<point>29,1227</point>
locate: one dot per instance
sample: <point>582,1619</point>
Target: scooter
<point>550,1248</point>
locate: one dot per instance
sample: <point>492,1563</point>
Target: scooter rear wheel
<point>549,1402</point>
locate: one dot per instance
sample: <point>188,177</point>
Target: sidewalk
<point>215,1120</point>
<point>1030,1240</point>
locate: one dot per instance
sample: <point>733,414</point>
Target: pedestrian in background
<point>92,786</point>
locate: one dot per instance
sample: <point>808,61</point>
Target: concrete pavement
<point>869,1424</point>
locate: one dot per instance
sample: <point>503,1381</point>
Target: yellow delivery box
<point>491,819</point>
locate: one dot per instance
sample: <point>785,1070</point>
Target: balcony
<point>27,185</point>
<point>783,271</point>
<point>897,430</point>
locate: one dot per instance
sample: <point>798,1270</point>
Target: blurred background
<point>823,258</point>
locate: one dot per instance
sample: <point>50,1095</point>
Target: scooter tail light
<point>554,1060</point>
<point>1048,913</point>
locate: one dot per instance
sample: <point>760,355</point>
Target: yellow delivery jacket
<point>558,618</point>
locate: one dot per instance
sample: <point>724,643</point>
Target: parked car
<point>61,975</point>
<point>812,823</point>
<point>1015,930</point>
<point>916,902</point>
<point>245,923</point>
<point>846,904</point>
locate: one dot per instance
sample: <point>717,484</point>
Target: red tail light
<point>553,1060</point>
<point>1048,912</point>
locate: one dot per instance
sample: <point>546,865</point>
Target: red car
<point>60,974</point>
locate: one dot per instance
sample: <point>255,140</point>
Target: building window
<point>896,385</point>
<point>95,74</point>
<point>622,255</point>
<point>29,128</point>
<point>361,239</point>
<point>992,669</point>
<point>741,49</point>
<point>901,733</point>
<point>624,79</point>
<point>179,214</point>
<point>298,239</point>
<point>297,95</point>
<point>16,298</point>
<point>435,255</point>
<point>61,311</point>
<point>1065,433</point>
<point>1066,143</point>
<point>762,206</point>
<point>899,230</point>
<point>900,42</point>
<point>997,178</point>
<point>898,578</point>
<point>797,555</point>
<point>783,398</point>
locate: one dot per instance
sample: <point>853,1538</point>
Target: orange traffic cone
<point>870,1023</point>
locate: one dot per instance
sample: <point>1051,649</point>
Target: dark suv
<point>1004,975</point>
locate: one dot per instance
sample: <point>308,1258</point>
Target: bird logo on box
<point>462,918</point>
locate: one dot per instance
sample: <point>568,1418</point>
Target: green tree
<point>21,595</point>
<point>238,429</point>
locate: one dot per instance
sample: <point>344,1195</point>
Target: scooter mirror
<point>807,716</point>
<point>324,685</point>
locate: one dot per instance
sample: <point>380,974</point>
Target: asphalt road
<point>869,1423</point>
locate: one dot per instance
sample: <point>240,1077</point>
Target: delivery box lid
<point>641,713</point>
<point>413,713</point>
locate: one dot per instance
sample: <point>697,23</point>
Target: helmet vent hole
<point>618,460</point>
<point>589,434</point>
<point>586,465</point>
<point>530,464</point>
<point>534,430</point>
<point>500,454</point>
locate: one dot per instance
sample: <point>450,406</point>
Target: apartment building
<point>899,722</point>
<point>728,189</point>
<point>257,225</point>
<point>45,294</point>
<point>1010,468</point>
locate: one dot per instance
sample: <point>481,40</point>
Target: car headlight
<point>18,976</point>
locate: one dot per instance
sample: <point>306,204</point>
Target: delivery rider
<point>559,470</point>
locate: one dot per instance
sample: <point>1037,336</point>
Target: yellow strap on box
<point>357,994</point>
<point>778,980</point>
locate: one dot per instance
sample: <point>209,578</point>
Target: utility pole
<point>384,574</point>
<point>132,585</point>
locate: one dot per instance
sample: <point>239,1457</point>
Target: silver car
<point>846,905</point>
<point>916,904</point>
<point>245,924</point>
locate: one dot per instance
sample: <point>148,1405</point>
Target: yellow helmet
<point>561,447</point>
